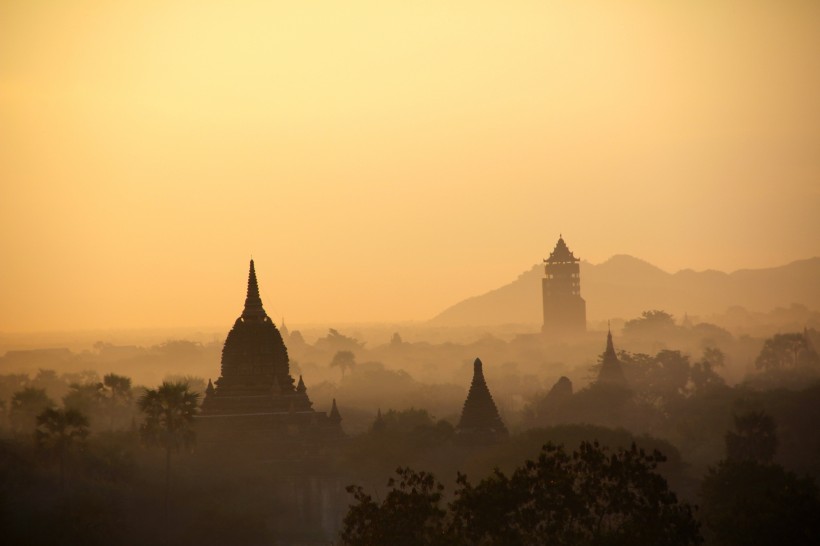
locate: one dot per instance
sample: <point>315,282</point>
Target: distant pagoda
<point>611,372</point>
<point>564,308</point>
<point>479,418</point>
<point>255,397</point>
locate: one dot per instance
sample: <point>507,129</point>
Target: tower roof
<point>479,413</point>
<point>253,303</point>
<point>561,253</point>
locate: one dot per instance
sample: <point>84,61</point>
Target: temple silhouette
<point>254,402</point>
<point>480,420</point>
<point>564,309</point>
<point>611,372</point>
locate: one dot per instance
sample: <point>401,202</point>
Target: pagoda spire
<point>611,370</point>
<point>335,416</point>
<point>610,347</point>
<point>301,386</point>
<point>253,303</point>
<point>480,413</point>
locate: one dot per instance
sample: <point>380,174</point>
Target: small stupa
<point>480,417</point>
<point>611,372</point>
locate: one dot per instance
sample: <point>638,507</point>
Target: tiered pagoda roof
<point>561,253</point>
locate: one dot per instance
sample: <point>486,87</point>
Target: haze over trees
<point>715,416</point>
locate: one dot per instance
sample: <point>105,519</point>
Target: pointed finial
<point>477,366</point>
<point>210,388</point>
<point>300,387</point>
<point>610,347</point>
<point>253,303</point>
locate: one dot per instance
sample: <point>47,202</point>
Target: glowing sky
<point>383,160</point>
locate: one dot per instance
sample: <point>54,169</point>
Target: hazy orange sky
<point>383,160</point>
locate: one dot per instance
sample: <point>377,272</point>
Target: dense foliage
<point>590,496</point>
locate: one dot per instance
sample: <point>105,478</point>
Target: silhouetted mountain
<point>624,286</point>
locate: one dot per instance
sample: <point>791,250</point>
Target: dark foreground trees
<point>749,500</point>
<point>169,414</point>
<point>589,497</point>
<point>752,503</point>
<point>58,431</point>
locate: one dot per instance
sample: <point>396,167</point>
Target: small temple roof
<point>480,413</point>
<point>561,253</point>
<point>253,303</point>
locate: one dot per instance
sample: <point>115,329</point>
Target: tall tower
<point>565,311</point>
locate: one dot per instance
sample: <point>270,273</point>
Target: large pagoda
<point>255,398</point>
<point>479,418</point>
<point>564,309</point>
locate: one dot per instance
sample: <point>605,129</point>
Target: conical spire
<point>479,413</point>
<point>210,388</point>
<point>253,303</point>
<point>335,416</point>
<point>611,370</point>
<point>301,386</point>
<point>610,347</point>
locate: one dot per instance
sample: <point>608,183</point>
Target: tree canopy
<point>590,496</point>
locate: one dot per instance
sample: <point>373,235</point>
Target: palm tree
<point>58,430</point>
<point>169,414</point>
<point>26,405</point>
<point>120,399</point>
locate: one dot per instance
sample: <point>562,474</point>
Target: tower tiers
<point>564,308</point>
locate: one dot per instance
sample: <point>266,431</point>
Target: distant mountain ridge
<point>624,286</point>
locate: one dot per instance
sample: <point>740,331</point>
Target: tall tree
<point>787,351</point>
<point>169,414</point>
<point>344,360</point>
<point>87,398</point>
<point>119,395</point>
<point>26,405</point>
<point>58,431</point>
